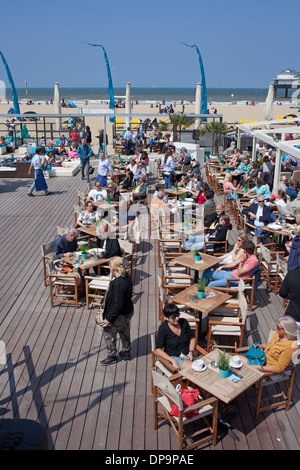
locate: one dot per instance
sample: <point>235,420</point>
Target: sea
<point>152,95</point>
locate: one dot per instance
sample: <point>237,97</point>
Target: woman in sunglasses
<point>175,340</point>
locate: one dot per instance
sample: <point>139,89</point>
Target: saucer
<point>197,369</point>
<point>238,366</point>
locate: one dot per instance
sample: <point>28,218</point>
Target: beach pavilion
<point>268,132</point>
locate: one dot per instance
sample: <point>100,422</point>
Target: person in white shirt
<point>39,183</point>
<point>97,194</point>
<point>128,137</point>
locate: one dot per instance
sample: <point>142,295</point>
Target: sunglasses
<point>173,317</point>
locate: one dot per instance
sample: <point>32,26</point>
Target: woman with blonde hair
<point>117,312</point>
<point>279,350</point>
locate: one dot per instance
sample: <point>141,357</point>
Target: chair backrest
<point>244,308</point>
<point>265,253</point>
<point>49,265</point>
<point>241,286</point>
<point>47,249</point>
<point>60,231</point>
<point>167,389</point>
<point>282,264</point>
<point>126,246</point>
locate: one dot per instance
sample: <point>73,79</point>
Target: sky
<point>242,44</point>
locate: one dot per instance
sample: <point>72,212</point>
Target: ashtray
<point>214,364</point>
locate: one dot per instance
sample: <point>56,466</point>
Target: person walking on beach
<point>84,152</point>
<point>39,183</point>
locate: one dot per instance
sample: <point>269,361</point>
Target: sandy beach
<point>232,114</point>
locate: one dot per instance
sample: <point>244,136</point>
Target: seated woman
<point>88,216</point>
<point>260,188</point>
<point>175,338</point>
<point>244,269</point>
<point>218,234</point>
<point>73,152</point>
<point>281,200</point>
<point>141,190</point>
<point>235,256</point>
<point>132,166</point>
<point>279,349</point>
<point>127,183</point>
<point>251,175</point>
<point>204,187</point>
<point>112,190</point>
<point>228,185</point>
<point>185,182</point>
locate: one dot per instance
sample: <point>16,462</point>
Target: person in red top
<point>244,269</point>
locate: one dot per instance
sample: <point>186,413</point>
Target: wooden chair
<point>165,395</point>
<point>184,311</point>
<point>211,250</point>
<point>269,266</point>
<point>228,326</point>
<point>281,273</point>
<point>127,249</point>
<point>81,198</point>
<point>46,251</point>
<point>172,279</point>
<point>63,287</point>
<point>283,396</point>
<point>95,289</point>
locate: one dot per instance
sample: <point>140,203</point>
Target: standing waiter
<point>39,180</point>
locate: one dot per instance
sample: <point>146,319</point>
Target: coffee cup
<point>235,361</point>
<point>198,364</point>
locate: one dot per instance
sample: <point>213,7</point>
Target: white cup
<point>235,361</point>
<point>198,364</point>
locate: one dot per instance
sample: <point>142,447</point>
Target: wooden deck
<point>53,373</point>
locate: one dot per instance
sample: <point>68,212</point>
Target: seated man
<point>218,234</point>
<point>258,215</point>
<point>66,244</point>
<point>244,269</point>
<point>211,220</point>
<point>97,194</point>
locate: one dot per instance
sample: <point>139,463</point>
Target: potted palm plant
<point>223,364</point>
<point>201,288</point>
<point>197,256</point>
<point>84,251</point>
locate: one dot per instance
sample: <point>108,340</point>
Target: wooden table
<point>187,260</point>
<point>86,264</point>
<point>224,389</point>
<point>188,297</point>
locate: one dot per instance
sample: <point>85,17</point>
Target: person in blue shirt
<point>260,188</point>
<point>84,152</point>
<point>291,190</point>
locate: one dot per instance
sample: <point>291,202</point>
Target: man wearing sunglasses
<point>259,214</point>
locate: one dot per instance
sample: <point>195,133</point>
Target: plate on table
<point>92,251</point>
<point>189,199</point>
<point>235,366</point>
<point>275,226</point>
<point>195,367</point>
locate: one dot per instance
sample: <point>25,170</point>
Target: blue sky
<point>243,44</point>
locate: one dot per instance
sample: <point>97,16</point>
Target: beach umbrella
<point>203,81</point>
<point>13,88</point>
<point>128,104</point>
<point>57,107</point>
<point>268,107</point>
